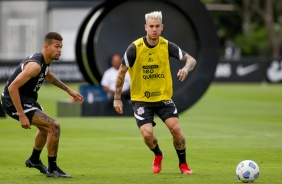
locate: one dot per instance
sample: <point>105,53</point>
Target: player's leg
<point>44,122</point>
<point>40,139</point>
<point>144,116</point>
<point>150,139</point>
<point>40,136</point>
<point>179,143</point>
<point>39,143</point>
<point>152,142</point>
<point>148,136</point>
<point>178,136</point>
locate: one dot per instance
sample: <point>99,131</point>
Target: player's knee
<point>146,131</point>
<point>44,132</point>
<point>147,135</point>
<point>56,128</point>
<point>175,130</point>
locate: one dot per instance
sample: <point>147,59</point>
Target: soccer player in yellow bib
<point>147,61</point>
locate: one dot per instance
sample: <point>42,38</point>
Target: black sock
<point>35,156</point>
<point>157,150</point>
<point>52,163</point>
<point>181,156</point>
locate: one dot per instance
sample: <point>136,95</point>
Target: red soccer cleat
<point>184,168</point>
<point>157,164</point>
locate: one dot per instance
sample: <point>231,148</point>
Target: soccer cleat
<point>157,164</point>
<point>57,174</point>
<point>184,168</point>
<point>40,166</point>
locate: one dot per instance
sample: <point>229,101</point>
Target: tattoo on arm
<point>120,81</point>
<point>190,62</point>
<point>184,58</point>
<point>57,82</point>
<point>119,85</point>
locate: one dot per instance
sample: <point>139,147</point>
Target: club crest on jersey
<point>140,110</point>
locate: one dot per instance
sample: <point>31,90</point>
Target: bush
<point>255,44</point>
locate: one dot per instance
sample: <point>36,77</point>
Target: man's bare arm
<point>120,81</point>
<point>190,63</point>
<point>30,70</point>
<point>119,84</point>
<point>57,82</point>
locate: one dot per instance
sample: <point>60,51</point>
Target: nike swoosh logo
<point>245,70</point>
<point>151,53</point>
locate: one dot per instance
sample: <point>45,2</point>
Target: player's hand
<point>182,74</point>
<point>24,122</point>
<point>118,106</point>
<point>77,97</point>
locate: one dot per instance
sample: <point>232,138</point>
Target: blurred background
<point>239,117</point>
<point>250,33</point>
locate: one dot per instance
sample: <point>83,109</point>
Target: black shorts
<point>28,108</point>
<point>144,111</point>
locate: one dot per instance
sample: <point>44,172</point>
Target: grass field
<point>231,123</point>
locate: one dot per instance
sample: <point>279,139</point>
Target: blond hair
<point>154,15</point>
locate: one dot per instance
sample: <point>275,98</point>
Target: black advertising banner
<point>65,71</point>
<point>274,71</point>
<point>6,69</point>
<point>240,71</point>
<point>266,70</point>
<point>249,71</point>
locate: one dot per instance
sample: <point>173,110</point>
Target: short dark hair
<point>53,36</point>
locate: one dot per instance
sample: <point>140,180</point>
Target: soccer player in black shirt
<point>19,101</point>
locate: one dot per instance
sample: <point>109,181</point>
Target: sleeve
<point>129,56</point>
<point>175,51</point>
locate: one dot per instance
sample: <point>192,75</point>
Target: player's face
<point>154,28</point>
<point>55,49</point>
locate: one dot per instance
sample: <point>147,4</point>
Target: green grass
<point>231,123</point>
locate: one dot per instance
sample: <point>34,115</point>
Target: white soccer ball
<point>247,171</point>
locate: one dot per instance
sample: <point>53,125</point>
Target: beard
<point>56,57</point>
<point>153,38</point>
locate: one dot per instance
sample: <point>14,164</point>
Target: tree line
<point>255,26</point>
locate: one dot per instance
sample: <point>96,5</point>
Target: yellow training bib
<point>150,75</point>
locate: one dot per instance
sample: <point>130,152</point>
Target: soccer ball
<point>247,171</point>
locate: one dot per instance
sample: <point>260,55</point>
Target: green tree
<point>261,25</point>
